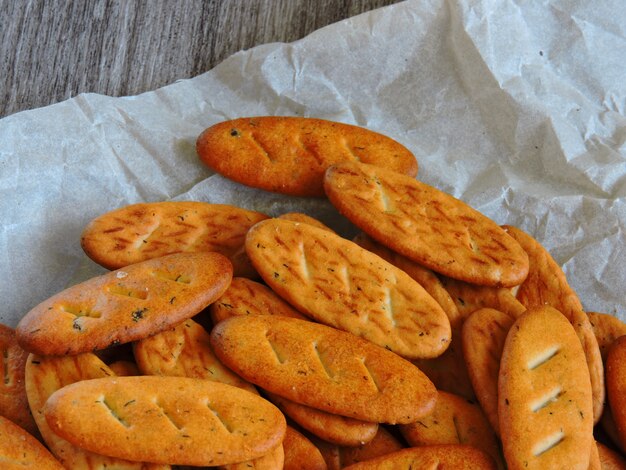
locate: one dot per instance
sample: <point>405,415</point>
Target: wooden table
<point>51,50</point>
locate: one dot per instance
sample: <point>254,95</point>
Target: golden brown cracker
<point>125,305</point>
<point>426,225</point>
<point>483,337</point>
<point>439,457</point>
<point>454,421</point>
<point>44,376</point>
<point>606,328</point>
<point>544,394</point>
<point>247,297</point>
<point>19,449</point>
<point>176,420</point>
<point>184,351</point>
<point>471,297</point>
<point>124,368</point>
<point>340,284</point>
<point>143,231</point>
<point>324,368</point>
<point>301,453</point>
<point>13,400</point>
<point>546,285</point>
<point>330,427</point>
<point>289,155</point>
<point>383,443</point>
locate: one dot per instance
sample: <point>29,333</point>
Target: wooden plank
<point>52,50</point>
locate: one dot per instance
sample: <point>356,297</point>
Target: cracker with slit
<point>439,457</point>
<point>483,337</point>
<point>447,371</point>
<point>324,368</point>
<point>426,225</point>
<point>546,284</point>
<point>330,427</point>
<point>338,283</point>
<point>143,231</point>
<point>289,155</point>
<point>175,420</point>
<point>125,305</point>
<point>13,400</point>
<point>184,351</point>
<point>454,421</point>
<point>19,449</point>
<point>544,394</point>
<point>47,374</point>
<point>248,297</point>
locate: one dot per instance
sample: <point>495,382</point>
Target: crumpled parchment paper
<point>518,108</point>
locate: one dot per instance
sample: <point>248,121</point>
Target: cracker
<point>247,297</point>
<point>176,420</point>
<point>19,449</point>
<point>301,453</point>
<point>546,285</point>
<point>454,421</point>
<point>606,328</point>
<point>13,400</point>
<point>44,376</point>
<point>544,394</point>
<point>441,457</point>
<point>483,337</point>
<point>143,231</point>
<point>471,297</point>
<point>338,283</point>
<point>184,351</point>
<point>330,427</point>
<point>289,155</point>
<point>616,386</point>
<point>125,305</point>
<point>383,443</point>
<point>426,225</point>
<point>324,368</point>
<point>124,368</point>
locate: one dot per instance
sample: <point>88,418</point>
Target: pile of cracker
<point>223,337</point>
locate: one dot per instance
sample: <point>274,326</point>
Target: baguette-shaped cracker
<point>150,230</point>
<point>483,337</point>
<point>176,420</point>
<point>46,375</point>
<point>324,368</point>
<point>338,283</point>
<point>606,328</point>
<point>332,428</point>
<point>290,154</point>
<point>436,457</point>
<point>544,394</point>
<point>426,225</point>
<point>184,351</point>
<point>546,284</point>
<point>383,443</point>
<point>454,421</point>
<point>301,453</point>
<point>13,400</point>
<point>247,297</point>
<point>125,305</point>
<point>20,450</point>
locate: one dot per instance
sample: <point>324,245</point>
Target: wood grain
<point>53,50</point>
